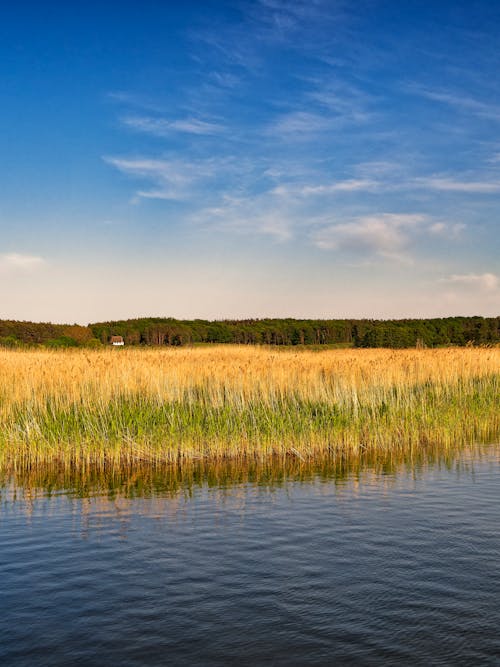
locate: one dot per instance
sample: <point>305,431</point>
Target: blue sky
<point>249,159</point>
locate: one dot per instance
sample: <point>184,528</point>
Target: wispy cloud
<point>161,127</point>
<point>348,185</point>
<point>277,22</point>
<point>171,182</point>
<point>340,100</point>
<point>392,183</point>
<point>134,100</point>
<point>298,125</point>
<point>321,108</point>
<point>13,261</point>
<point>315,136</point>
<point>223,79</point>
<point>445,184</point>
<point>494,159</point>
<point>459,101</point>
<point>249,216</point>
<point>172,179</point>
<point>483,281</point>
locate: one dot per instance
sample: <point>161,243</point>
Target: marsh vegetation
<point>93,407</point>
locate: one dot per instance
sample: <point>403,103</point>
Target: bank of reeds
<point>80,407</point>
<point>143,480</point>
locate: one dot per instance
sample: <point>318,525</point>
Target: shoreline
<point>145,479</point>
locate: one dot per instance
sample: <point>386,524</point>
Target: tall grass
<point>79,407</point>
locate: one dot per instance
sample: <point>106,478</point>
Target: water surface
<point>384,562</point>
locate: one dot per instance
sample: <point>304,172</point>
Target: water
<point>371,563</point>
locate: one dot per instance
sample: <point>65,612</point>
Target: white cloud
<point>348,185</point>
<point>142,166</point>
<point>483,281</point>
<point>390,182</point>
<point>14,261</point>
<point>297,124</point>
<point>385,234</point>
<point>161,127</point>
<point>173,179</point>
<point>444,184</point>
<point>450,231</point>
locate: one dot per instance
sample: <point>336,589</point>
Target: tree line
<point>404,333</point>
<point>15,333</point>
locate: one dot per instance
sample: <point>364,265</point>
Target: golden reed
<point>82,407</point>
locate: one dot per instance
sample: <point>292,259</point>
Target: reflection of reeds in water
<point>142,480</point>
<point>90,408</point>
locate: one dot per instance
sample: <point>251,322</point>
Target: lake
<point>373,562</point>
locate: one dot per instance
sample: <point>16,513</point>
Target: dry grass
<point>85,407</point>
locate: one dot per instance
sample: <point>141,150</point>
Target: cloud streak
<point>161,127</point>
<point>459,101</point>
<point>483,281</point>
<point>18,262</point>
<point>444,184</point>
<point>172,179</point>
<point>298,125</point>
<point>348,185</point>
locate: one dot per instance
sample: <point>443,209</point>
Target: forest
<point>358,333</point>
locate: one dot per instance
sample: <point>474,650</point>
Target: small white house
<point>117,340</point>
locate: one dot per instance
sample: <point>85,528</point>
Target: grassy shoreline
<point>146,480</point>
<point>82,408</point>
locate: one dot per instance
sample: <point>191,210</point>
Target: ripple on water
<point>378,569</point>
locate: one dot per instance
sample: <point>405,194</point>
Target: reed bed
<point>88,407</point>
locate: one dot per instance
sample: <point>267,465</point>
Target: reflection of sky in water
<point>366,563</point>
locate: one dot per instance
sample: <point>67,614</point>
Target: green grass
<point>137,427</point>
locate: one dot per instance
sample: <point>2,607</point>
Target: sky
<point>269,158</point>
